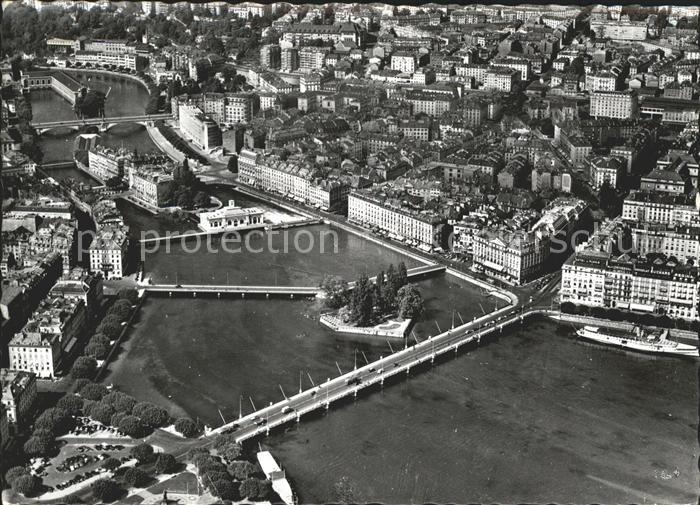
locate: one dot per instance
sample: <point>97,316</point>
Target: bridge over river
<point>224,289</point>
<point>349,384</point>
<point>103,123</point>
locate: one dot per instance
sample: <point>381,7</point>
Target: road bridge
<point>292,408</point>
<point>103,123</point>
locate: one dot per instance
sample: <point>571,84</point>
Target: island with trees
<point>386,305</point>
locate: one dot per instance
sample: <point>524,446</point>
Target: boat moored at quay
<point>638,339</point>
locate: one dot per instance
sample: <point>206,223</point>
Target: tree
<point>27,485</point>
<point>106,490</point>
<point>99,338</point>
<point>102,413</point>
<point>93,391</point>
<point>201,199</point>
<point>336,291</point>
<point>84,367</point>
<point>232,164</point>
<point>401,276</point>
<point>54,420</point>
<point>110,327</point>
<point>361,303</point>
<point>184,200</point>
<point>128,294</point>
<point>121,402</point>
<point>80,384</point>
<point>98,351</point>
<point>143,453</point>
<point>230,451</point>
<point>38,446</point>
<point>14,472</point>
<point>390,289</point>
<point>121,310</point>
<point>155,417</point>
<point>226,490</point>
<point>187,427</point>
<point>249,489</point>
<point>132,427</point>
<point>117,418</point>
<point>24,111</point>
<point>111,463</point>
<point>241,470</point>
<point>135,477</point>
<point>410,302</point>
<point>166,463</point>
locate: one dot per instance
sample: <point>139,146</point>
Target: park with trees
<point>369,302</point>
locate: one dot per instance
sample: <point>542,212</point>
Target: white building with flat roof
<point>231,218</point>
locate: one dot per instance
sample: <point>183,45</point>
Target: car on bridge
<point>231,428</point>
<point>354,380</point>
<point>259,421</point>
<point>287,409</point>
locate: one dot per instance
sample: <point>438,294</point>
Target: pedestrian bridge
<point>103,123</point>
<point>220,290</point>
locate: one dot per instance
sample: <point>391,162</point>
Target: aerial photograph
<point>349,253</point>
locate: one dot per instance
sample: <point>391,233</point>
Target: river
<point>126,97</point>
<point>531,416</point>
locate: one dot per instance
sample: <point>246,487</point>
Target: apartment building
<point>604,169</point>
<point>52,330</point>
<point>118,46</point>
<point>614,104</point>
<point>199,128</point>
<point>598,279</point>
<point>98,58</point>
<point>664,181</point>
<point>292,180</point>
<point>290,59</point>
<point>679,242</point>
<point>661,208</point>
<point>501,78</point>
<point>108,251</point>
<point>601,81</point>
<point>518,256</point>
<point>312,58</point>
<point>522,65</point>
<point>151,185</point>
<point>105,163</point>
<point>19,395</point>
<point>420,228</point>
<point>270,56</point>
<point>432,104</point>
<point>404,62</point>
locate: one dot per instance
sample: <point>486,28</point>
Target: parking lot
<point>80,461</point>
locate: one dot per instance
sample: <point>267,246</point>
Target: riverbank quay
<point>164,144</point>
<point>126,326</point>
<point>133,77</point>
